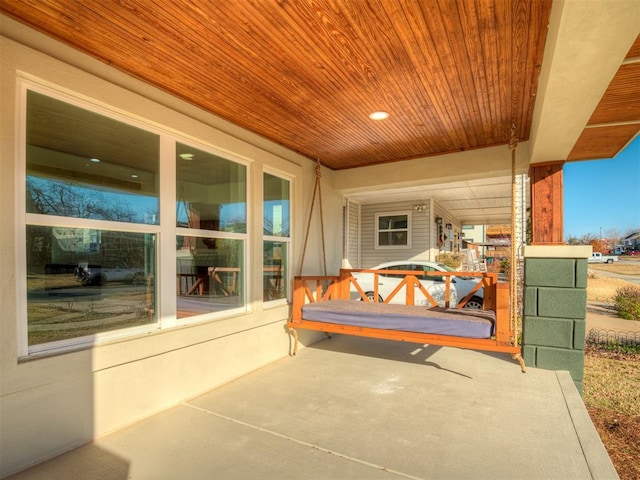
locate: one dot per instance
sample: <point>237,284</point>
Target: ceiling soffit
<point>453,75</point>
<point>306,75</point>
<point>616,119</point>
<point>473,202</point>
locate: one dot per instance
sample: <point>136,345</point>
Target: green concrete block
<point>562,302</point>
<point>579,334</point>
<point>529,355</point>
<point>579,386</point>
<point>550,272</point>
<point>531,301</point>
<point>525,326</point>
<point>549,332</point>
<point>582,267</point>
<point>551,358</point>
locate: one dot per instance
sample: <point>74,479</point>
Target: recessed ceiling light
<point>186,156</point>
<point>379,115</point>
<point>134,176</point>
<point>95,160</point>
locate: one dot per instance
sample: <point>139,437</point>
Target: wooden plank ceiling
<point>453,75</point>
<point>616,120</point>
<point>307,74</point>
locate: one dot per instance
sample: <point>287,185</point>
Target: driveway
<point>628,278</point>
<point>602,316</point>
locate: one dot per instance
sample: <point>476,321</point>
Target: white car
<point>435,285</point>
<point>99,275</point>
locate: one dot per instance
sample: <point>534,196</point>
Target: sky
<point>603,194</point>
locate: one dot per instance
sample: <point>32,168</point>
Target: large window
<point>91,192</point>
<point>83,282</point>
<point>210,275</point>
<point>93,226</point>
<point>84,165</point>
<point>211,216</point>
<point>276,231</point>
<point>211,192</point>
<point>393,230</point>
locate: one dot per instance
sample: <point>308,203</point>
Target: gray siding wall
<point>449,242</point>
<point>420,232</point>
<point>353,235</point>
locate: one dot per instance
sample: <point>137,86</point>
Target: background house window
<point>393,230</point>
<point>276,236</point>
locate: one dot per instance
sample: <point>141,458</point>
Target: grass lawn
<point>612,397</point>
<point>612,382</point>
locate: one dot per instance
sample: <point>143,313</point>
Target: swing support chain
<point>513,271</point>
<point>317,189</point>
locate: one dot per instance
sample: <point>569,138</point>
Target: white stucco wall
<point>54,403</point>
<point>469,165</point>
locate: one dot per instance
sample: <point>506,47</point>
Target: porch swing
<point>338,304</point>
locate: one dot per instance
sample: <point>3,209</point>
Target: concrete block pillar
<point>555,308</point>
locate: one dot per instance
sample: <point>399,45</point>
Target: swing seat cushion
<point>470,323</point>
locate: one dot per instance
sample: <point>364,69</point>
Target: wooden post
<point>546,203</point>
<point>501,305</point>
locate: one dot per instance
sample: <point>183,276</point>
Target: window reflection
<point>211,191</point>
<point>276,231</point>
<point>274,271</point>
<point>84,281</point>
<point>209,275</point>
<point>276,206</point>
<point>84,165</point>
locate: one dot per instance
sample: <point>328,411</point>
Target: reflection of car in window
<point>94,274</point>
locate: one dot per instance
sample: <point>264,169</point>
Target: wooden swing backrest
<point>411,280</point>
<point>308,289</point>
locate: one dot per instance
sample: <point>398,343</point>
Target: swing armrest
<point>311,289</point>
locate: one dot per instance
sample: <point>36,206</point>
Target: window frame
<point>282,239</point>
<point>244,237</point>
<point>165,230</point>
<point>377,230</point>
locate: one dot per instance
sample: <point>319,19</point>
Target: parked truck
<point>597,257</point>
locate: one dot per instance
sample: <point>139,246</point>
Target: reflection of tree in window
<point>81,164</point>
<point>51,197</point>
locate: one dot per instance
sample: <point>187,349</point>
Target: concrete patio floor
<point>357,408</point>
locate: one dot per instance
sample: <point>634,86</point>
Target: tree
<point>571,240</point>
<point>597,245</point>
<point>589,238</point>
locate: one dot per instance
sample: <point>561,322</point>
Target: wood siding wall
<point>546,203</point>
